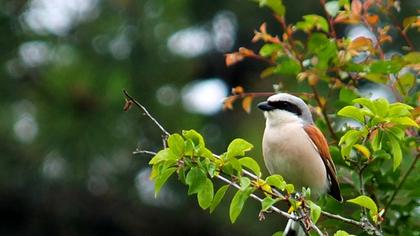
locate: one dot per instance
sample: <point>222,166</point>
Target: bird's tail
<point>293,228</point>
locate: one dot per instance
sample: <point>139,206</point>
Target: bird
<point>296,149</point>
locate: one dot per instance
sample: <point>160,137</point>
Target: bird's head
<point>284,107</point>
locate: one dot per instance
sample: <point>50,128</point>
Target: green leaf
<point>176,144</point>
<point>206,153</point>
<point>315,211</point>
<point>332,8</point>
<point>238,147</point>
<point>195,137</point>
<point>381,154</point>
<point>162,178</point>
<point>366,202</point>
<point>269,49</point>
<point>405,83</point>
<point>251,164</point>
<point>275,5</point>
<point>313,21</point>
<point>354,67</point>
<point>244,182</point>
<point>382,106</point>
<point>289,188</point>
<point>342,233</point>
<point>377,141</point>
<point>366,103</point>
<point>212,169</point>
<point>189,149</point>
<point>324,48</point>
<point>267,72</point>
<point>181,175</point>
<point>398,132</point>
<point>344,3</point>
<point>276,181</point>
<point>347,95</point>
<point>385,67</point>
<point>399,109</point>
<point>218,197</point>
<point>238,203</point>
<point>352,112</point>
<point>348,140</point>
<point>396,151</point>
<point>376,78</point>
<point>268,202</point>
<point>287,66</point>
<point>205,195</point>
<point>196,178</point>
<point>412,57</point>
<point>278,233</point>
<point>163,155</point>
<point>404,121</point>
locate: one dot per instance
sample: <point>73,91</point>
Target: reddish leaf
<point>360,44</point>
<point>228,102</point>
<point>233,58</point>
<point>372,19</point>
<point>246,103</point>
<point>238,90</point>
<point>356,7</point>
<point>246,52</point>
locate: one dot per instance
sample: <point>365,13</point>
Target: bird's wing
<point>321,145</point>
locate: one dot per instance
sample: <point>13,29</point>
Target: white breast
<point>288,151</point>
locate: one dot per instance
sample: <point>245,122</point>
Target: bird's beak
<point>265,106</point>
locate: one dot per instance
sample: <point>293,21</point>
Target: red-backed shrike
<point>295,148</point>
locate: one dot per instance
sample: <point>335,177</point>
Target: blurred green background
<point>66,163</point>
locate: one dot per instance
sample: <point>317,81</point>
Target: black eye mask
<point>287,106</point>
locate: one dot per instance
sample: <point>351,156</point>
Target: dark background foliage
<point>66,163</point>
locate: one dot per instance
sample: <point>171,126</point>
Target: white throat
<point>279,117</point>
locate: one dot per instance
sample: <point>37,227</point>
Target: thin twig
<point>362,187</point>
<point>338,217</point>
<point>146,112</point>
<point>394,194</point>
<point>144,152</point>
<point>330,20</point>
<point>317,230</point>
<point>275,209</point>
<point>403,33</point>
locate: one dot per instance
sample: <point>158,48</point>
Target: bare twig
<point>402,32</point>
<point>275,209</point>
<point>137,151</point>
<point>330,20</point>
<point>338,217</point>
<point>146,112</point>
<point>394,194</point>
<point>317,230</point>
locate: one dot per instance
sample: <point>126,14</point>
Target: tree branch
<point>338,217</point>
<point>146,112</point>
